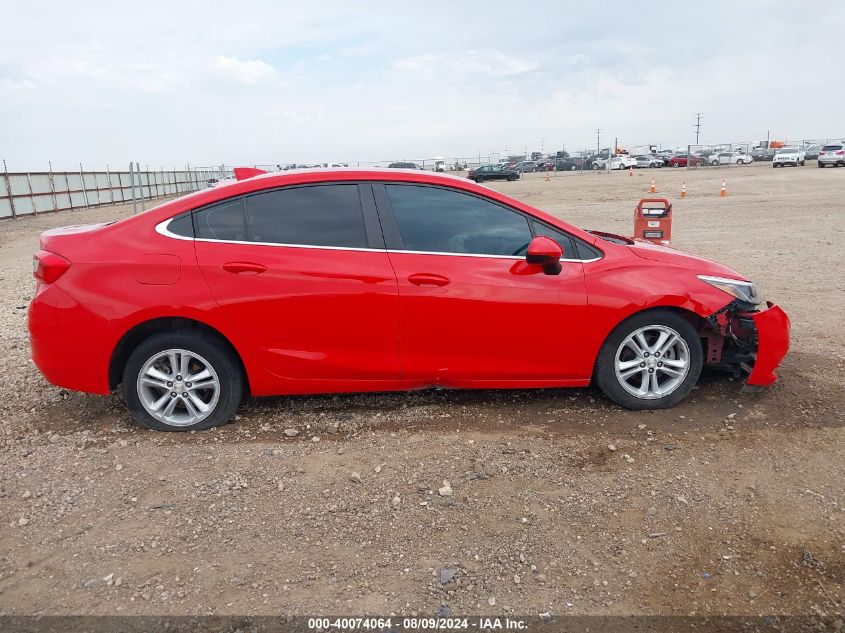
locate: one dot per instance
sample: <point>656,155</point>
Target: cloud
<point>274,82</point>
<point>248,71</point>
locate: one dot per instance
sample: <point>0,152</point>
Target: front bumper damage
<point>745,339</point>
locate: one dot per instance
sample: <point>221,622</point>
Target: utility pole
<point>598,140</point>
<point>697,126</point>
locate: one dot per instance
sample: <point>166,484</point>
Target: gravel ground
<point>486,502</point>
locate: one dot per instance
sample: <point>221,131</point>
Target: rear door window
<point>222,221</point>
<point>319,215</point>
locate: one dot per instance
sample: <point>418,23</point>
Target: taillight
<point>840,152</point>
<point>821,153</point>
<point>47,267</point>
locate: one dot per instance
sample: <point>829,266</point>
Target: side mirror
<point>545,252</point>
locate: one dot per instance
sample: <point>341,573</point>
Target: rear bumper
<point>70,345</point>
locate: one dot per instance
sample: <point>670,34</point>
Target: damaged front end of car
<point>750,339</point>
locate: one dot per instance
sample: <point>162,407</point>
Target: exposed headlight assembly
<point>743,290</point>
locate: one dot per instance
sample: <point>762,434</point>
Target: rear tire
<point>616,356</point>
<point>207,360</point>
<point>821,165</point>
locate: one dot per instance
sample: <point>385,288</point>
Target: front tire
<point>182,380</point>
<point>650,361</point>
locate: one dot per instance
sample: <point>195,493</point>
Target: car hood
<point>675,257</point>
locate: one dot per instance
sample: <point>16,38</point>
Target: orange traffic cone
<point>684,190</point>
<point>547,176</point>
<point>724,192</point>
<point>631,170</point>
<point>653,188</point>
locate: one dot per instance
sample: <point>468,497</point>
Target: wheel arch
<point>696,320</point>
<point>141,331</point>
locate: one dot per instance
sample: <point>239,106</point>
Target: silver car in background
<point>833,154</point>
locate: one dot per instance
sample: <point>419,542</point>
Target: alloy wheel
<point>178,387</point>
<point>652,362</point>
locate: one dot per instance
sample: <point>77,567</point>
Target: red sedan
<point>681,160</point>
<point>373,280</point>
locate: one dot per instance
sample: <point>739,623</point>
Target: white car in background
<point>794,156</point>
<point>730,158</point>
<point>621,161</point>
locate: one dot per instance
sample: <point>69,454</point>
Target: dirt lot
<point>727,504</point>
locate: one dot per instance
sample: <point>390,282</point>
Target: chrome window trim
<point>161,229</point>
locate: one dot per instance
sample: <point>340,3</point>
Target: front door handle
<point>428,279</point>
<point>244,268</point>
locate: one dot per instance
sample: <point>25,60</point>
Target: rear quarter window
<point>182,225</point>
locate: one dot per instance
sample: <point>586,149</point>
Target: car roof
<point>307,176</point>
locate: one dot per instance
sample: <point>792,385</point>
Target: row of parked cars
<point>832,154</point>
<point>663,158</point>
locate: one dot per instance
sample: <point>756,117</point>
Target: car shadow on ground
<point>714,403</point>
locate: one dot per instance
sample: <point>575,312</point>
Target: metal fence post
<point>132,182</point>
<point>67,188</point>
<point>53,187</point>
<point>140,186</point>
<point>9,189</point>
<point>108,178</point>
<point>31,196</point>
<point>84,192</point>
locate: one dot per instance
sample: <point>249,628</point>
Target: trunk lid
<point>53,239</point>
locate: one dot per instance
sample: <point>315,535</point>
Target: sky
<point>267,82</point>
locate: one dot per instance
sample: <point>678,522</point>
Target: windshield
<point>832,148</point>
<point>787,150</point>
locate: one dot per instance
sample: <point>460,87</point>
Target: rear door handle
<point>428,279</point>
<point>244,268</point>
